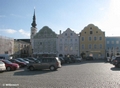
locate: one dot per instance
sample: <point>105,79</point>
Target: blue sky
<point>16,16</point>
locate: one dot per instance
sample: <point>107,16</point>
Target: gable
<point>91,30</point>
<point>45,32</point>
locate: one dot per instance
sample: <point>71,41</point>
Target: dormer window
<point>90,27</point>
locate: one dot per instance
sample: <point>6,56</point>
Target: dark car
<point>22,60</point>
<point>21,64</point>
<point>116,61</point>
<point>10,66</point>
<point>62,60</point>
<point>78,59</point>
<point>30,61</point>
<point>72,59</point>
<point>89,58</point>
<point>52,63</point>
<point>67,60</point>
<point>33,59</point>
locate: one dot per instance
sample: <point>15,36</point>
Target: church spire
<point>34,20</point>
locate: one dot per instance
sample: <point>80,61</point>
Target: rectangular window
<point>76,40</point>
<point>108,42</point>
<point>60,48</point>
<point>112,42</point>
<point>83,47</point>
<point>100,46</point>
<point>82,38</point>
<point>95,38</point>
<point>91,32</point>
<point>90,46</point>
<point>100,38</point>
<point>95,46</point>
<point>90,38</point>
<point>61,40</point>
<point>117,42</point>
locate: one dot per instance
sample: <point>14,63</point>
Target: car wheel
<point>52,68</point>
<point>8,68</point>
<point>31,68</point>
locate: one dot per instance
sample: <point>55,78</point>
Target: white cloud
<point>24,33</point>
<point>11,31</point>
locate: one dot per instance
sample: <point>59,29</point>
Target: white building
<point>45,42</point>
<point>68,43</point>
<point>6,45</point>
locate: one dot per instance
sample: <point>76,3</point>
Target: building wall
<point>21,49</point>
<point>112,46</point>
<point>68,43</point>
<point>92,41</point>
<point>6,45</point>
<point>45,42</point>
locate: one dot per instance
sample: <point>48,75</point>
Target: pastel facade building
<point>68,43</point>
<point>92,42</point>
<point>112,46</point>
<point>45,42</point>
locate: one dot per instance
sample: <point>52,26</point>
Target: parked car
<point>108,59</point>
<point>112,59</point>
<point>4,56</point>
<point>72,59</point>
<point>10,66</point>
<point>67,60</point>
<point>21,64</point>
<point>62,60</point>
<point>33,59</point>
<point>30,61</point>
<point>78,59</point>
<point>116,61</point>
<point>52,63</point>
<point>89,58</point>
<point>2,67</point>
<point>22,60</point>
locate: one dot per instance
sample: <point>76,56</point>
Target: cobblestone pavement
<point>87,74</point>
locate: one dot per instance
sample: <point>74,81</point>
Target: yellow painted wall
<point>96,32</point>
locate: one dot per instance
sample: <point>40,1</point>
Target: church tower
<point>33,31</point>
<point>33,28</point>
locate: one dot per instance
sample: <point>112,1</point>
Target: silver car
<point>2,66</point>
<point>52,63</point>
